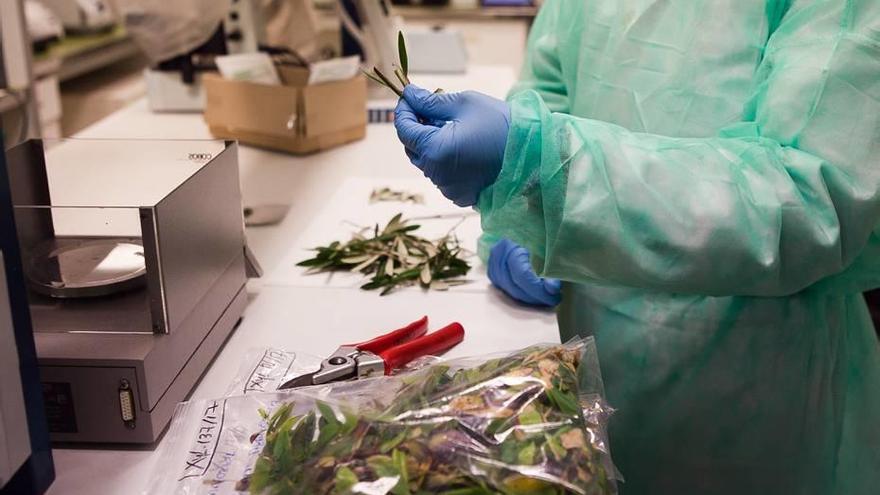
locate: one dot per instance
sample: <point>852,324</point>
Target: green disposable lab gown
<point>705,176</point>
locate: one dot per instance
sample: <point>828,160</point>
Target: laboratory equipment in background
<point>14,59</point>
<point>175,85</point>
<point>264,215</point>
<point>436,51</point>
<point>82,16</point>
<point>43,25</point>
<point>18,108</point>
<point>181,40</point>
<point>135,276</point>
<point>25,453</point>
<point>375,31</point>
<point>426,3</point>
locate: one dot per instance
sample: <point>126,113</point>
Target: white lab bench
<point>285,313</point>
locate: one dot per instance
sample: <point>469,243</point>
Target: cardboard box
<point>292,117</point>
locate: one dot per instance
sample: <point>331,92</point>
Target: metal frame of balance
<point>134,256</point>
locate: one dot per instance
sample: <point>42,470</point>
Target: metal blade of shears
<point>340,366</point>
<point>300,381</point>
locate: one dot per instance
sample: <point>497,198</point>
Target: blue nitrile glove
<point>456,139</point>
<point>511,271</point>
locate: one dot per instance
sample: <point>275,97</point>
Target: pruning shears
<point>382,354</point>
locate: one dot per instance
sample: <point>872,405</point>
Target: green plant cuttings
<point>510,426</point>
<point>383,194</point>
<point>401,70</point>
<point>395,257</point>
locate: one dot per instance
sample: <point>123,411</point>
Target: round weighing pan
<point>76,268</point>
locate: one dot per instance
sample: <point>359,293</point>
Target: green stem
<point>387,82</point>
<point>400,77</point>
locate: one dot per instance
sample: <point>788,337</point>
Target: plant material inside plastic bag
<point>512,425</point>
<point>532,421</point>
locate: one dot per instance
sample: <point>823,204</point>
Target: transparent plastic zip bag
<point>532,421</point>
<point>265,369</point>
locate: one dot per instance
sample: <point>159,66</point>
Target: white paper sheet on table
<point>349,209</point>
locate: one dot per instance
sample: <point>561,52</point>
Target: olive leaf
<point>401,53</point>
<point>425,274</point>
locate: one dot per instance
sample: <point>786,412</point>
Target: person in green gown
<point>703,176</point>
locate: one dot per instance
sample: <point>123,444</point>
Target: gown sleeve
<point>771,205</point>
<point>542,68</point>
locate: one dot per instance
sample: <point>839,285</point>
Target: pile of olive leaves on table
<point>395,256</point>
<point>529,422</point>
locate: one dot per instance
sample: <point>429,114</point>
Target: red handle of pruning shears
<point>391,339</point>
<point>434,343</point>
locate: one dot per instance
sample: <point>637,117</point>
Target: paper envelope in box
<point>293,116</point>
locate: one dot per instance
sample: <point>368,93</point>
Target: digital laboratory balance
<point>133,253</point>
